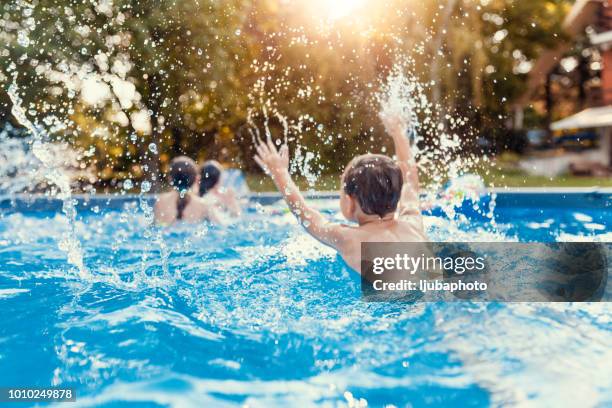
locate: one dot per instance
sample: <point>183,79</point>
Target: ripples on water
<point>260,313</point>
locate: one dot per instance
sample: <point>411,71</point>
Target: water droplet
<point>153,148</point>
<point>22,39</point>
<point>145,187</point>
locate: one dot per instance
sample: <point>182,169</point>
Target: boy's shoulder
<point>401,230</point>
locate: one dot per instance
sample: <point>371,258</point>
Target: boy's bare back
<point>395,230</point>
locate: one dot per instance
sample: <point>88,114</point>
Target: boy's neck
<point>365,219</point>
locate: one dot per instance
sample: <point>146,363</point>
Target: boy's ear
<point>353,205</point>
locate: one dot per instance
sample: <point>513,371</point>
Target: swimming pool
<point>259,313</point>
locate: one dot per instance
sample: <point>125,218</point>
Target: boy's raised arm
<point>276,164</point>
<point>409,201</point>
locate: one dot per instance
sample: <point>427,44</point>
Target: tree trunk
<point>436,91</point>
<point>549,106</point>
<point>177,145</point>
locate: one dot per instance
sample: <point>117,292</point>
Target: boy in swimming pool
<point>379,194</point>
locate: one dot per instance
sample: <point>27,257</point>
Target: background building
<point>588,123</point>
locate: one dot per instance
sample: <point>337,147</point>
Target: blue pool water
<point>258,313</point>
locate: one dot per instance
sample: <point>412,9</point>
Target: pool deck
<point>504,197</point>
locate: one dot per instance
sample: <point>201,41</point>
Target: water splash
<point>21,171</point>
<point>70,243</point>
<point>444,162</point>
<point>403,95</point>
<point>264,106</point>
<point>264,98</point>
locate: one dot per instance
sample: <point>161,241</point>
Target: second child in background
<point>181,203</point>
<point>213,191</point>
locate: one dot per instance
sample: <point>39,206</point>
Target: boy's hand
<point>394,124</point>
<point>275,162</point>
<point>270,159</point>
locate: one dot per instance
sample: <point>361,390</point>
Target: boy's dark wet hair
<point>183,174</point>
<point>210,174</point>
<point>375,181</point>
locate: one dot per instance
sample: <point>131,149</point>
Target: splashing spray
<point>70,243</point>
<point>402,95</point>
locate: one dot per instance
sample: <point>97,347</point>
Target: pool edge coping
<point>321,194</point>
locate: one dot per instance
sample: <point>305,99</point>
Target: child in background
<point>379,194</point>
<point>182,202</point>
<point>213,193</point>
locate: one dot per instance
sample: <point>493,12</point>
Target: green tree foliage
<point>138,82</point>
